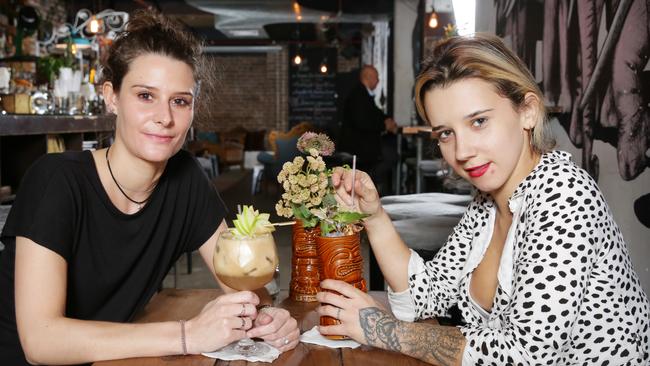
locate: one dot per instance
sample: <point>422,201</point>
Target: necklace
<point>139,203</point>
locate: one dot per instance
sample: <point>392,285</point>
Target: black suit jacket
<point>363,124</point>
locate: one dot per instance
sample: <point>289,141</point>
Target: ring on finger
<point>243,310</point>
<point>286,341</point>
<point>338,314</point>
<point>243,323</point>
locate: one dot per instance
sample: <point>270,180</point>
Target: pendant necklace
<point>139,203</point>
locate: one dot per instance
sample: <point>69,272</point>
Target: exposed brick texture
<point>251,91</point>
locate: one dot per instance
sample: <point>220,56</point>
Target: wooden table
<point>173,304</point>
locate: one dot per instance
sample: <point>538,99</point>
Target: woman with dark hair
<point>92,234</point>
<point>537,265</point>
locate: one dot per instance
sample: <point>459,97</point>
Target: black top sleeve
<point>209,209</point>
<point>44,210</point>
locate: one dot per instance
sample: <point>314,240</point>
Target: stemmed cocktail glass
<point>246,263</point>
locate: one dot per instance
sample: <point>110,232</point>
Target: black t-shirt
<point>116,262</point>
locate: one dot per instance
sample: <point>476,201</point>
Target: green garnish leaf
<point>303,214</point>
<point>329,200</point>
<point>250,223</point>
<point>349,217</point>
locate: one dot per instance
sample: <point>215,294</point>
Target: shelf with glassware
<point>49,97</point>
<point>50,85</point>
<point>25,138</point>
<point>49,66</point>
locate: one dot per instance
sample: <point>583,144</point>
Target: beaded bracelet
<point>260,307</point>
<point>183,337</point>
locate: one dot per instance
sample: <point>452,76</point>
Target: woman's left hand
<point>276,327</point>
<point>344,307</point>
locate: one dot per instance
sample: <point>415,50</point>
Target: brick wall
<point>249,90</point>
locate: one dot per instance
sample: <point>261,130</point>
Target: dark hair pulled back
<point>149,32</point>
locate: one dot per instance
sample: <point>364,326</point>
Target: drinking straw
<point>354,169</point>
<point>286,223</point>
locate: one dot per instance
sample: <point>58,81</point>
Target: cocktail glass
<point>246,263</point>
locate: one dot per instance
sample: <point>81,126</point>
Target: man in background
<point>366,129</point>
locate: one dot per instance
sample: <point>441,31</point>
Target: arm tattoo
<point>436,344</point>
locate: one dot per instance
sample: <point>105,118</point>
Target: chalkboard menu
<point>312,92</point>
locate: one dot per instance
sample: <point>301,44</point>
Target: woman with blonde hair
<point>92,235</point>
<point>536,265</point>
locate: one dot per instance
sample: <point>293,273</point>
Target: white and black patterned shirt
<point>567,292</point>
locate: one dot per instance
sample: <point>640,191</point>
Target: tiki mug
<point>341,260</point>
<point>305,264</point>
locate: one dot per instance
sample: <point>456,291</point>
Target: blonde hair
<point>484,57</point>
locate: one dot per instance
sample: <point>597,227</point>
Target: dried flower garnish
<point>315,144</point>
<point>308,193</point>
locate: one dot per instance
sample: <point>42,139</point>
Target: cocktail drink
<point>246,263</point>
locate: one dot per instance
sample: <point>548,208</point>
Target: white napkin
<point>228,353</point>
<point>313,336</point>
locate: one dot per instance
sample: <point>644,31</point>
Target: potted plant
<point>324,228</point>
<point>305,184</point>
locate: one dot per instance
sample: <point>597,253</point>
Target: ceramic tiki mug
<point>341,260</point>
<point>305,264</point>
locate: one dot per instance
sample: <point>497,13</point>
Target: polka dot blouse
<point>567,292</point>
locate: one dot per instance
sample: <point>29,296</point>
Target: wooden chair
<point>232,147</point>
<point>229,147</point>
<point>295,131</point>
<point>283,145</point>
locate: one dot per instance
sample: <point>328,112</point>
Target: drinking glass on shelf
<point>246,263</point>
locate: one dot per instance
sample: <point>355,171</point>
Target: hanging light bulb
<point>433,20</point>
<point>323,68</point>
<point>93,26</point>
<point>297,60</point>
<point>297,11</point>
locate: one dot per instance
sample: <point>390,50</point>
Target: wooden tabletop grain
<point>175,304</point>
